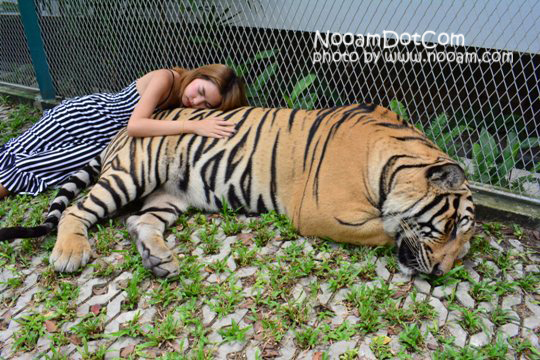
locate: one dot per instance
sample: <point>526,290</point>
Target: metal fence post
<point>37,50</point>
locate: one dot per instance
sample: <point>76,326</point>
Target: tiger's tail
<point>77,182</point>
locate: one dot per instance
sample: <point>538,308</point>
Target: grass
<point>280,264</point>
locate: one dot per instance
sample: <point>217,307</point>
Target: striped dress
<point>65,139</point>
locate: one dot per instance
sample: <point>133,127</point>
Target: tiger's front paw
<point>157,258</point>
<point>69,254</point>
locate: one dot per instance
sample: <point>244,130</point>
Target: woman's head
<point>212,86</point>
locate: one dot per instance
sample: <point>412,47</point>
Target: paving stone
<point>271,248</point>
<point>86,291</point>
<point>25,299</point>
<point>531,304</point>
<point>324,293</point>
<point>364,351</point>
<point>408,300</point>
<point>113,352</point>
<point>224,251</point>
<point>462,294</point>
<point>288,347</point>
<point>473,274</point>
<point>93,346</point>
<point>532,268</point>
<point>400,278</point>
<point>252,351</point>
<point>458,333</point>
<point>246,271</point>
<point>308,281</point>
<point>380,268</point>
<point>532,322</point>
<point>530,334</point>
<point>480,339</point>
<point>113,289</point>
<point>440,309</point>
<point>487,306</point>
<point>535,258</point>
<point>341,295</point>
<point>208,315</point>
<point>339,348</point>
<point>518,273</point>
<point>218,278</point>
<point>511,300</point>
<point>227,348</point>
<point>516,244</point>
<point>422,285</point>
<point>443,291</point>
<point>226,321</point>
<point>509,330</point>
<point>298,293</point>
<point>495,245</point>
<point>145,316</point>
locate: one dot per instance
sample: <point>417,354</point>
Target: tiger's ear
<point>447,177</point>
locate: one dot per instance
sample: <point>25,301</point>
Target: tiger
<point>357,174</point>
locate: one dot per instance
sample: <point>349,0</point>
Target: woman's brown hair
<point>231,86</point>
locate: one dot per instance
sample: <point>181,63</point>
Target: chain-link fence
<point>15,63</point>
<point>476,94</point>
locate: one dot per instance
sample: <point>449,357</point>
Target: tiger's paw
<point>157,258</point>
<point>69,254</point>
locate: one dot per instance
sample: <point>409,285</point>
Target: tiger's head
<point>431,229</point>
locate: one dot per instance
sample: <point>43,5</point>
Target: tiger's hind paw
<point>70,254</point>
<point>157,258</point>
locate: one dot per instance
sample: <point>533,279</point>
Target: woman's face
<point>201,94</point>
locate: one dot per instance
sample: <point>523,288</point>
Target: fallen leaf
<point>393,330</point>
<point>178,346</point>
<point>258,331</point>
<point>75,340</point>
<point>385,340</point>
<point>51,326</point>
<point>270,353</point>
<point>248,304</point>
<point>95,309</point>
<point>128,350</point>
<point>97,290</point>
<point>317,356</point>
<point>247,239</point>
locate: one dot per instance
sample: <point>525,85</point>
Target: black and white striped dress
<point>65,139</point>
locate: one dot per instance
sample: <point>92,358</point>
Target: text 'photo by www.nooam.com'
<point>394,47</point>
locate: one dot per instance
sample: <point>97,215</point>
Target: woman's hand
<point>213,127</point>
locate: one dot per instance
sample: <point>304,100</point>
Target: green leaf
<point>307,102</point>
<point>490,150</point>
<point>509,154</point>
<point>302,85</point>
<point>262,79</point>
<point>265,54</point>
<point>399,109</point>
<point>530,143</point>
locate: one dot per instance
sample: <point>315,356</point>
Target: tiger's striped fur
<point>356,174</point>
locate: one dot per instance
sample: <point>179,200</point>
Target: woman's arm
<point>141,125</point>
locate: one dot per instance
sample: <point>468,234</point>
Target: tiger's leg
<point>160,211</point>
<point>72,249</point>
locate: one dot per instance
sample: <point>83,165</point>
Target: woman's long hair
<point>231,87</point>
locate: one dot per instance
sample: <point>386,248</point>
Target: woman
<point>68,136</point>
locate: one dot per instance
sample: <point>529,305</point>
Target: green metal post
<point>37,49</point>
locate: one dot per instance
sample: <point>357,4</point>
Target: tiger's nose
<point>436,270</point>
